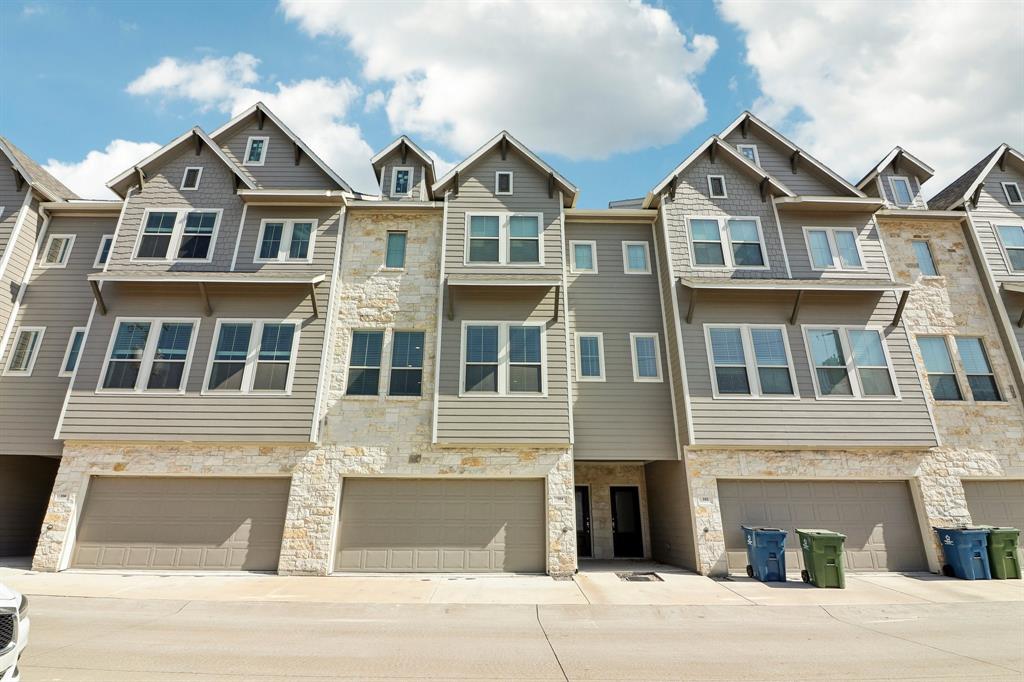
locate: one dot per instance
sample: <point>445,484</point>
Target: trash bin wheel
<point>805,576</point>
<point>947,571</point>
<point>750,571</point>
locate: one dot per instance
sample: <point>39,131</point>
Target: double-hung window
<point>504,238</point>
<point>394,257</point>
<point>943,374</point>
<point>364,362</point>
<point>1012,239</point>
<point>583,257</point>
<point>636,258</point>
<point>523,239</point>
<point>503,358</point>
<point>901,192</point>
<point>646,357</point>
<point>72,352</point>
<point>401,181</point>
<point>980,377</point>
<point>406,364</point>
<point>589,356</point>
<point>833,248</point>
<point>103,253</point>
<point>849,362</point>
<point>186,235</point>
<point>1012,192</point>
<point>925,262</point>
<point>938,365</point>
<point>252,356</point>
<point>285,241</point>
<point>750,360</point>
<point>728,243</point>
<point>256,151</point>
<point>24,350</point>
<point>149,355</point>
<point>57,251</point>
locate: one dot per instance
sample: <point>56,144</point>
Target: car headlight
<point>23,606</point>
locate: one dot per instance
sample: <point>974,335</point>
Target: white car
<point>13,632</point>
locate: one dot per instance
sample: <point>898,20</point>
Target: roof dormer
<point>404,171</point>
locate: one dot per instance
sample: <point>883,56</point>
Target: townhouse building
<point>267,370</point>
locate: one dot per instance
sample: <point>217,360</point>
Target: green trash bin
<point>1002,552</point>
<point>823,557</point>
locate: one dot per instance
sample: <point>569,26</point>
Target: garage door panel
<point>996,503</point>
<point>877,517</point>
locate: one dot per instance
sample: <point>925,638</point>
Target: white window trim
<point>725,190</point>
<point>625,257</point>
<point>572,256</point>
<point>286,241</point>
<point>67,254</point>
<point>657,356</point>
<point>27,372</point>
<point>146,362</point>
<point>851,368</point>
<point>405,253</point>
<point>184,176</point>
<point>99,252</point>
<point>248,148</point>
<point>753,148</point>
<point>726,234</point>
<point>753,376</point>
<point>511,189</point>
<point>1006,193</point>
<point>955,370</point>
<point>837,264</point>
<point>895,196</point>
<point>503,239</point>
<point>600,354</point>
<point>176,235</point>
<point>394,175</point>
<point>1,211</point>
<point>503,359</point>
<point>249,373</point>
<point>931,254</point>
<point>953,348</point>
<point>996,224</point>
<point>63,372</point>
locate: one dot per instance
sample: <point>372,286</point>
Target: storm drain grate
<point>637,577</point>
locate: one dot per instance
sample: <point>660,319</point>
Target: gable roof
<point>411,146</point>
<point>901,157</point>
<point>957,192</point>
<point>568,187</point>
<point>791,146</point>
<point>35,175</point>
<point>122,182</point>
<point>261,107</point>
<point>654,196</point>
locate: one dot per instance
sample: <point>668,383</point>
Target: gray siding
<point>807,421</point>
<point>11,199</point>
<point>619,418</point>
<point>774,158</point>
<point>503,419</point>
<point>476,194</point>
<point>883,179</point>
<point>992,209</point>
<point>324,245</point>
<point>21,249</point>
<point>673,361</point>
<point>871,248</point>
<point>57,299</point>
<point>419,188</point>
<point>278,170</point>
<point>668,504</point>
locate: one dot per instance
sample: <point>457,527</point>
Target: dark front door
<point>584,543</point>
<point>627,537</point>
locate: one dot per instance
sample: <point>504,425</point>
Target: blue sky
<point>654,81</point>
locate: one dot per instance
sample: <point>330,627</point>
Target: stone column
<point>309,526</point>
<point>61,515</point>
<point>561,519</point>
<point>941,502</point>
<point>707,522</point>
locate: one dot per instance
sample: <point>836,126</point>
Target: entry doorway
<point>627,528</point>
<point>584,538</point>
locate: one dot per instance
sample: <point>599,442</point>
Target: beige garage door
<point>996,503</point>
<point>878,519</point>
<point>182,523</point>
<point>441,525</point>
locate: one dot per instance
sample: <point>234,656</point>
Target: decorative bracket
<point>794,161</point>
<point>205,295</point>
<point>449,302</point>
<point>796,307</point>
<point>19,180</point>
<point>764,189</point>
<point>100,305</point>
<point>260,118</point>
<point>456,190</point>
<point>896,161</point>
<point>312,299</point>
<point>1002,160</point>
<point>558,299</point>
<point>199,144</point>
<point>551,185</point>
<point>743,127</point>
<point>298,153</point>
<point>976,197</point>
<point>672,186</point>
<point>503,146</point>
<point>142,177</point>
<point>403,149</point>
<point>712,151</point>
<point>692,307</point>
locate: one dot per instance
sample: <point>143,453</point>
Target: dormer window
<point>1012,192</point>
<point>716,187</point>
<point>749,151</point>
<point>503,182</point>
<point>901,190</point>
<point>401,181</point>
<point>256,151</point>
<point>190,180</point>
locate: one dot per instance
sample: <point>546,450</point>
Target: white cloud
<point>585,80</point>
<point>315,109</point>
<point>851,80</point>
<point>375,100</point>
<point>88,177</point>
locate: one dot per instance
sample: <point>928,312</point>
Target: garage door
<point>182,523</point>
<point>441,525</point>
<point>878,519</point>
<point>996,503</point>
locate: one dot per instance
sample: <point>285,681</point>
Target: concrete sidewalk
<point>596,585</point>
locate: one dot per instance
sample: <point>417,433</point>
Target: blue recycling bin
<point>966,552</point>
<point>766,553</point>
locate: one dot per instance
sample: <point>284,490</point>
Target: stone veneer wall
<point>599,477</point>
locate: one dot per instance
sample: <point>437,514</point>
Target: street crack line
<point>536,610</point>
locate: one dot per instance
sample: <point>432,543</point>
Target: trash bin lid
<point>963,529</point>
<point>821,532</point>
<point>761,529</point>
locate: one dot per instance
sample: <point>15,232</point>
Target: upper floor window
<point>504,238</point>
<point>406,363</point>
<point>716,187</point>
<point>980,377</point>
<point>503,358</point>
<point>583,256</point>
<point>57,251</point>
<point>849,362</point>
<point>151,355</point>
<point>1012,239</point>
<point>646,356</point>
<point>728,243</point>
<point>938,365</point>
<point>26,345</point>
<point>942,373</point>
<point>285,240</point>
<point>252,356</point>
<point>103,253</point>
<point>1012,192</point>
<point>636,258</point>
<point>401,181</point>
<point>191,177</point>
<point>395,252</point>
<point>503,182</point>
<point>188,235</point>
<point>364,362</point>
<point>589,356</point>
<point>833,248</point>
<point>72,352</point>
<point>750,360</point>
<point>749,151</point>
<point>901,192</point>
<point>256,151</point>
<point>925,262</point>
